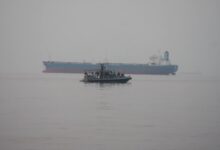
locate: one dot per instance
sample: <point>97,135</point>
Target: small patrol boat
<point>103,75</point>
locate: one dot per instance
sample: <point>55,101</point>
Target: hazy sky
<point>118,30</point>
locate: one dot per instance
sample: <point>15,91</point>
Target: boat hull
<point>72,67</point>
<point>122,80</point>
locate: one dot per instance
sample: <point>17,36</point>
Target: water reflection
<point>107,85</point>
<point>103,105</point>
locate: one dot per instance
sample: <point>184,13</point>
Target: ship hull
<point>72,67</point>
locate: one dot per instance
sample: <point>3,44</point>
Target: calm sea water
<point>57,112</point>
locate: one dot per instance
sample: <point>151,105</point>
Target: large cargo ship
<point>158,65</point>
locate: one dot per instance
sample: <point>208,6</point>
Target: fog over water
<point>117,30</point>
<point>40,111</point>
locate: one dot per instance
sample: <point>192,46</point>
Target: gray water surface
<point>58,112</point>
